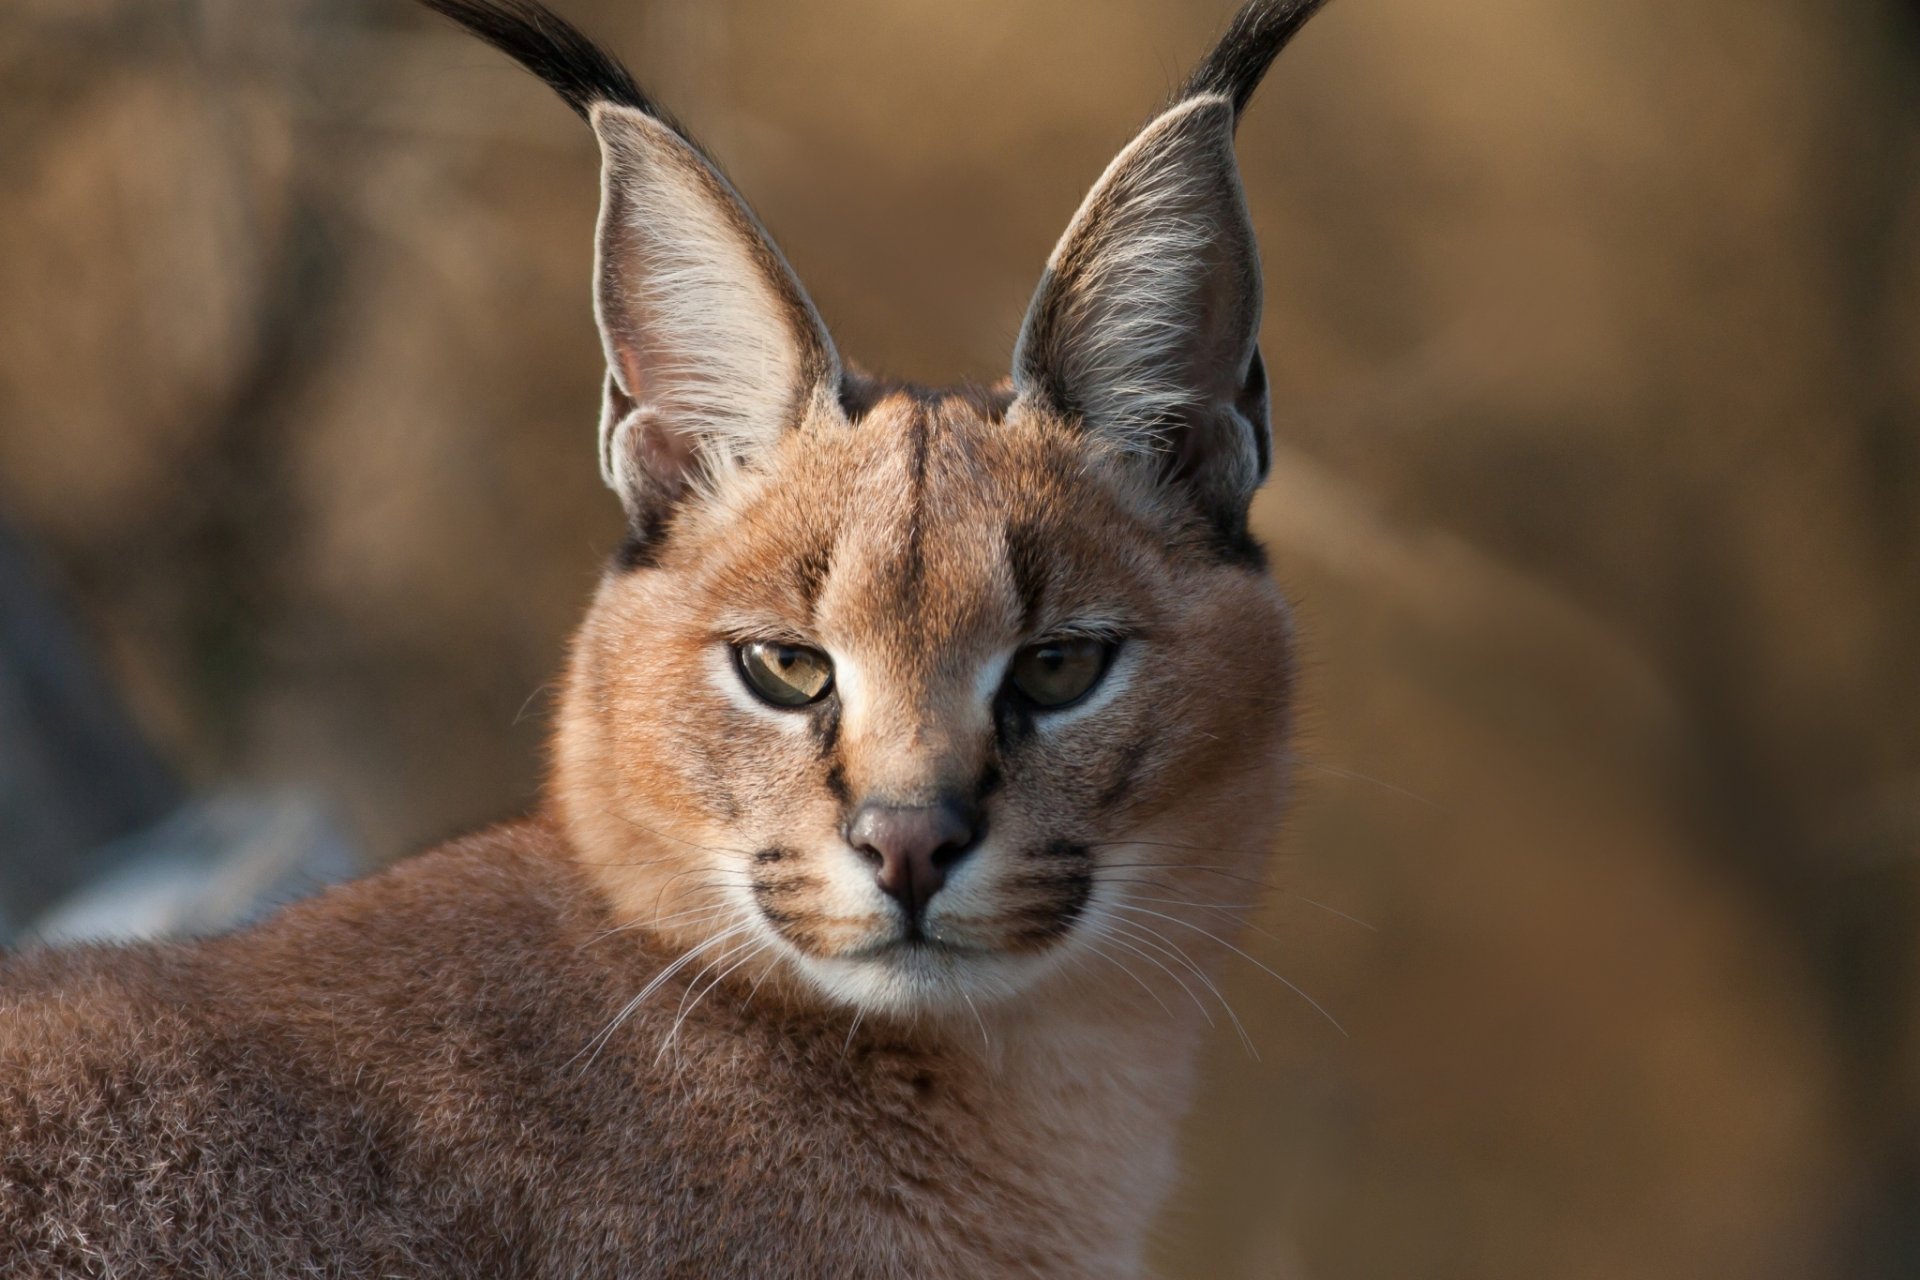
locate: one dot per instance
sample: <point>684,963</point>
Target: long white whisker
<point>599,1042</point>
<point>1351,775</point>
<point>985,1039</point>
<point>1223,871</point>
<point>1095,948</point>
<point>1108,930</point>
<point>753,949</point>
<point>1188,924</point>
<point>858,1015</point>
<point>1149,936</point>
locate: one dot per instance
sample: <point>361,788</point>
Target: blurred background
<point>1595,337</point>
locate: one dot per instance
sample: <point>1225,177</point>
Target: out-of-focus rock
<point>219,863</point>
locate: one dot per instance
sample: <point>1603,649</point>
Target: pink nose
<point>912,847</point>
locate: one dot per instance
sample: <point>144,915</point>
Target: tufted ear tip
<point>713,348</point>
<point>1239,60</point>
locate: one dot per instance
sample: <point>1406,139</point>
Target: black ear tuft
<point>549,46</point>
<point>1255,37</point>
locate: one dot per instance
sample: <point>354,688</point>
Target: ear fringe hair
<point>1255,37</point>
<point>555,50</point>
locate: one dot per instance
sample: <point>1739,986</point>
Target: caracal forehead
<point>933,529</point>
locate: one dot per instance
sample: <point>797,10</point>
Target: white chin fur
<point>922,979</point>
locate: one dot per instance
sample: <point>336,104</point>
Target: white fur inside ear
<point>707,334</point>
<point>1129,276</point>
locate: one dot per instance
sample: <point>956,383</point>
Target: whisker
<point>1231,875</point>
<point>859,1015</point>
<point>1335,911</point>
<point>753,949</point>
<point>986,1040</point>
<point>521,714</point>
<point>599,1042</point>
<point>1107,931</point>
<point>704,913</point>
<point>1174,844</point>
<point>1166,946</point>
<point>1094,948</point>
<point>1188,924</point>
<point>1351,775</point>
<point>1230,912</point>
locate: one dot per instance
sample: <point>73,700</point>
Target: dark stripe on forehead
<point>812,569</point>
<point>913,565</point>
<point>1027,565</point>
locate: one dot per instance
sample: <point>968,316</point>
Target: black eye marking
<point>784,675</point>
<point>990,781</point>
<point>824,723</point>
<point>1012,720</point>
<point>836,783</point>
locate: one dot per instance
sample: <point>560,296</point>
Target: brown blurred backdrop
<point>1595,330</point>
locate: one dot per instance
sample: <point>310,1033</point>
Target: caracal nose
<point>912,846</point>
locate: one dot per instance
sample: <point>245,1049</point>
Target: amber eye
<point>787,675</point>
<point>1057,672</point>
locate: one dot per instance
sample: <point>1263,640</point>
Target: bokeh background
<point>1595,334</point>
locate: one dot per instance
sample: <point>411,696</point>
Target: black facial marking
<point>913,560</point>
<point>770,888</point>
<point>1027,563</point>
<point>643,542</point>
<point>1012,722</point>
<point>1065,851</point>
<point>836,783</point>
<point>1070,878</point>
<point>823,722</point>
<point>1233,543</point>
<point>813,569</point>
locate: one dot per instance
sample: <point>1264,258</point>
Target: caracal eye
<point>787,675</point>
<point>1054,673</point>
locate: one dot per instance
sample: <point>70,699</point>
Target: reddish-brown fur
<point>673,1025</point>
<point>402,1076</point>
<point>388,1080</point>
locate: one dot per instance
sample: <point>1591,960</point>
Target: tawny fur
<point>388,1081</point>
<point>672,1026</point>
<point>407,1075</point>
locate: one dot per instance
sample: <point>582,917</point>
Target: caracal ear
<point>1145,326</point>
<point>713,349</point>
